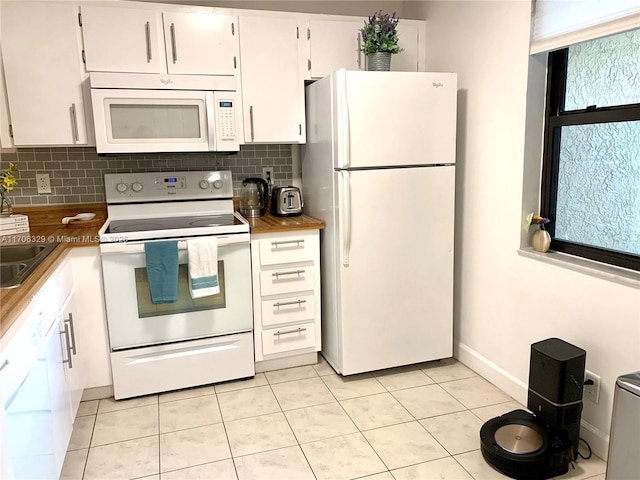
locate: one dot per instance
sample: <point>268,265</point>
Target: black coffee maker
<point>253,197</point>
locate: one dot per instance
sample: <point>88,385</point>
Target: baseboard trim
<point>597,439</point>
<point>287,362</point>
<point>97,393</point>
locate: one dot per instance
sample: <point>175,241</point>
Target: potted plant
<point>7,182</point>
<point>380,40</point>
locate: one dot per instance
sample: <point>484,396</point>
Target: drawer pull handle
<point>288,242</point>
<point>73,332</point>
<point>295,272</point>
<point>65,332</point>
<point>296,302</point>
<point>297,330</point>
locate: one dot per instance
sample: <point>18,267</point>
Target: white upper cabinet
<point>43,70</point>
<point>272,84</point>
<point>149,40</point>
<point>407,60</point>
<point>334,45</point>
<point>123,39</point>
<point>200,43</point>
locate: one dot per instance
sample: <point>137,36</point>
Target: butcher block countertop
<point>270,223</point>
<point>45,226</point>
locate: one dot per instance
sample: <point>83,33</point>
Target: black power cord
<point>588,448</point>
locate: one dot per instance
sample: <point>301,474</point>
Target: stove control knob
<point>121,187</point>
<point>136,187</point>
<point>217,184</point>
<point>204,184</point>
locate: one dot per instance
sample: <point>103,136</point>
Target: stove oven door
<point>134,321</point>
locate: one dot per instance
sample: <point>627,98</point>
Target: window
<point>591,168</point>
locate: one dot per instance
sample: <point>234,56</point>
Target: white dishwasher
<point>623,462</point>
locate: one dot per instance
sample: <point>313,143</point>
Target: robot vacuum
<point>541,444</point>
<point>520,446</point>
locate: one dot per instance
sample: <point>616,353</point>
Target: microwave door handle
<point>210,105</point>
<point>173,43</point>
<point>147,31</point>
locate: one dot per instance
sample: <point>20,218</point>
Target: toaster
<point>286,201</point>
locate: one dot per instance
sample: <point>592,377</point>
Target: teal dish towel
<point>162,271</point>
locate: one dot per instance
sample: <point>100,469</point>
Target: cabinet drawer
<point>285,339</point>
<point>291,309</point>
<point>286,250</point>
<point>286,280</point>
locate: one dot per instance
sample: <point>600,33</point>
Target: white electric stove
<point>156,348</point>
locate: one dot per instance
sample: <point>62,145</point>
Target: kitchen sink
<point>18,253</point>
<point>18,261</point>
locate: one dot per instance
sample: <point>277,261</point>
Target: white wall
<point>332,7</point>
<point>505,302</point>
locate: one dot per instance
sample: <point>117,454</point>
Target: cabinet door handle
<point>74,122</point>
<point>279,274</point>
<point>251,121</point>
<point>73,332</point>
<point>287,242</point>
<point>297,330</point>
<point>173,43</point>
<point>147,31</point>
<point>296,302</point>
<point>65,332</point>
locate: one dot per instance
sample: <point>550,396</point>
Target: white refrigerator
<point>379,169</point>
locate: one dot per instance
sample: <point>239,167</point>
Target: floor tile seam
<point>190,428</point>
<point>159,443</point>
<point>291,380</point>
<point>157,405</point>
<point>191,466</point>
<point>424,428</point>
<point>417,463</point>
<point>126,440</point>
<point>483,406</point>
<point>226,420</point>
<point>338,436</point>
<point>166,402</point>
<point>240,389</point>
<point>457,379</point>
<point>461,465</point>
<point>308,406</point>
<point>226,434</point>
<point>73,426</point>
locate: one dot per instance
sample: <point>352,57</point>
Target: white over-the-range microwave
<point>164,113</point>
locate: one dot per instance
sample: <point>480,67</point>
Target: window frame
<point>555,118</point>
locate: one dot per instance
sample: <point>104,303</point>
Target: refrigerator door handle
<point>343,107</point>
<point>345,217</point>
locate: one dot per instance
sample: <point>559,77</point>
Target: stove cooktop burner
<point>171,223</point>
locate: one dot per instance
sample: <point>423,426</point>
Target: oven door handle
<point>138,247</point>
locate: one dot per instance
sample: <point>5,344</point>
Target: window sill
<point>620,275</point>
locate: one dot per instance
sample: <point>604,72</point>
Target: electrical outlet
<point>268,175</point>
<point>43,182</point>
<point>591,386</point>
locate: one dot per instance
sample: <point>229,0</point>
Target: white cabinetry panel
<point>334,45</point>
<point>122,39</point>
<point>44,73</point>
<point>200,43</point>
<point>272,86</point>
<point>286,293</point>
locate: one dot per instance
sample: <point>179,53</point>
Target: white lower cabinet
<point>93,335</point>
<point>41,381</point>
<point>286,294</point>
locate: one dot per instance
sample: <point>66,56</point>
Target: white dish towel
<point>203,267</point>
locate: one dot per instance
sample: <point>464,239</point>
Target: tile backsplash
<point>77,173</point>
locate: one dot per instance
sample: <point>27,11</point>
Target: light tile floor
<point>417,422</point>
